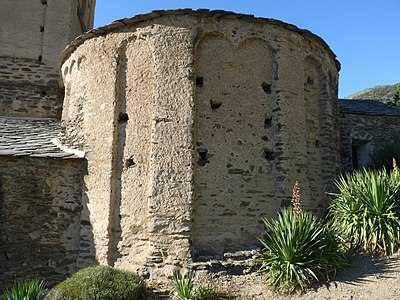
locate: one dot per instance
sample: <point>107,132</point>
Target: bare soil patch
<point>370,277</point>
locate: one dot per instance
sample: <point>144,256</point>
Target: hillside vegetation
<point>384,93</point>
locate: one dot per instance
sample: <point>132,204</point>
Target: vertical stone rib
<point>329,134</point>
<point>277,121</point>
<point>133,244</point>
<point>314,116</point>
<point>119,134</point>
<point>171,170</point>
<point>44,26</point>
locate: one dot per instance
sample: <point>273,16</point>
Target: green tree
<point>396,97</point>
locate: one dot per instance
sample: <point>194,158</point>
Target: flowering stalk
<point>395,168</point>
<point>296,201</point>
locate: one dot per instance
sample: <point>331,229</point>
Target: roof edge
<point>76,153</point>
<point>219,14</point>
<point>367,107</point>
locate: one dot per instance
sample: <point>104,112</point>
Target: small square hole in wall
<point>203,157</point>
<point>215,104</point>
<point>267,122</point>
<point>123,117</point>
<point>41,28</point>
<point>44,2</point>
<point>268,154</point>
<point>266,87</point>
<point>199,81</point>
<point>129,162</point>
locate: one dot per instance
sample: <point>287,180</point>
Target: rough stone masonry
<point>195,126</point>
<point>40,184</point>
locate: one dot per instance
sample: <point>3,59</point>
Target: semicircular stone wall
<point>196,126</point>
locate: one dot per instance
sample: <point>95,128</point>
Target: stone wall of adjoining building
<point>40,29</point>
<point>40,209</point>
<point>196,126</point>
<point>33,34</point>
<point>29,88</point>
<point>368,139</point>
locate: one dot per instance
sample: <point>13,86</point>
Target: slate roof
<point>30,137</point>
<point>367,107</point>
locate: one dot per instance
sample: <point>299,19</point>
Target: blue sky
<point>365,35</point>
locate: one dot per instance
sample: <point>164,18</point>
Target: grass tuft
<point>26,290</point>
<point>184,289</point>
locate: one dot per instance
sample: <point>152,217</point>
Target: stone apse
<point>195,126</point>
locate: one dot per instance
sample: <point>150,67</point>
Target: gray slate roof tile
<point>30,137</point>
<point>367,107</point>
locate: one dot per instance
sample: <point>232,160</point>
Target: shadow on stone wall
<point>87,251</point>
<point>40,205</point>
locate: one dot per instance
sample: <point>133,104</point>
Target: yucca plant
<point>183,285</point>
<point>184,288</point>
<point>26,290</point>
<point>366,211</point>
<point>298,248</point>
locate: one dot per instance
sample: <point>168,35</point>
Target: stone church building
<point>163,140</point>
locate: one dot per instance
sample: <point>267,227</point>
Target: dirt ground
<point>368,278</point>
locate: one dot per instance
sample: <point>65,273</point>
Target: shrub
<point>382,157</point>
<point>207,293</point>
<point>26,290</point>
<point>100,282</point>
<point>298,249</point>
<point>366,211</point>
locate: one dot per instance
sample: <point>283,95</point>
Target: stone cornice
<point>204,13</point>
